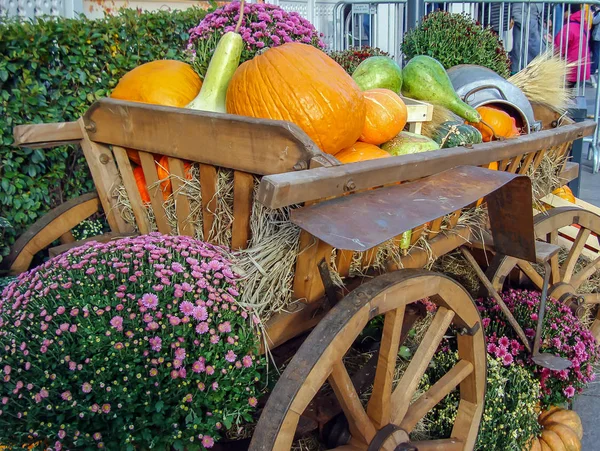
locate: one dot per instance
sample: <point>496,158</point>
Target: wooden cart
<point>350,208</point>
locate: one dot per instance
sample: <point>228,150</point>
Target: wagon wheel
<point>389,415</point>
<point>566,279</point>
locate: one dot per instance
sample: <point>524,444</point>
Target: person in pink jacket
<point>572,40</point>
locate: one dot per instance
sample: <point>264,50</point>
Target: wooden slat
<point>243,193</point>
<point>434,228</point>
<point>514,165</point>
<point>343,261</point>
<point>106,178</point>
<point>36,136</point>
<point>256,146</point>
<point>453,220</point>
<point>208,188</point>
<point>449,444</point>
<point>307,279</point>
<point>570,172</point>
<point>182,203</point>
<point>538,159</point>
<point>281,190</point>
<point>133,193</point>
<point>155,192</point>
<point>526,163</point>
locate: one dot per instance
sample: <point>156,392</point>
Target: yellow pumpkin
<point>568,418</point>
<point>562,431</point>
<point>564,192</point>
<point>568,437</point>
<point>553,440</point>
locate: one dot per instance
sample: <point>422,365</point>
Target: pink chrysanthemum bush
<point>263,26</point>
<point>133,344</point>
<point>562,335</point>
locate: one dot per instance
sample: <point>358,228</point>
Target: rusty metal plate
<point>361,221</point>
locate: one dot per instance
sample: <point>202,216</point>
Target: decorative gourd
<point>386,116</point>
<point>455,134</point>
<point>301,84</point>
<point>495,123</point>
<point>140,181</point>
<point>493,166</point>
<point>562,430</point>
<point>221,68</point>
<point>360,151</point>
<point>564,192</point>
<point>163,82</point>
<point>406,143</point>
<point>162,170</point>
<point>378,72</point>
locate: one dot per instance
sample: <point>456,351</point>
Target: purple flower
<point>174,320</point>
<point>187,308</point>
<point>117,322</point>
<point>202,328</point>
<point>569,391</point>
<point>66,396</point>
<point>150,301</point>
<point>247,361</point>
<point>199,313</point>
<point>224,327</point>
<point>208,441</point>
<point>86,387</point>
<point>156,343</point>
<point>230,356</point>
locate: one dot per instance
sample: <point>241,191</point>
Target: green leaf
<point>159,405</point>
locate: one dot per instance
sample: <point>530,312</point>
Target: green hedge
<point>51,70</point>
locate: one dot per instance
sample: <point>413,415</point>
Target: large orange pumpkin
<point>301,84</point>
<point>386,116</point>
<point>360,151</point>
<point>562,431</point>
<point>163,82</point>
<point>501,123</point>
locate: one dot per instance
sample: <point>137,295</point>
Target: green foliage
<point>90,228</point>
<point>350,58</point>
<point>51,70</point>
<point>454,39</point>
<point>509,419</point>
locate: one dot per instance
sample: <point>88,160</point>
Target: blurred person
<point>595,44</point>
<point>572,41</point>
<point>520,40</point>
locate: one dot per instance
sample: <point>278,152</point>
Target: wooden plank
<point>243,194</point>
<point>67,238</point>
<point>526,163</point>
<point>417,111</point>
<point>436,224</point>
<point>208,188</point>
<point>257,146</point>
<point>155,192</point>
<point>343,261</point>
<point>182,203</point>
<point>307,279</point>
<point>281,190</point>
<point>570,172</point>
<point>37,136</point>
<point>133,193</point>
<point>48,229</point>
<point>106,178</point>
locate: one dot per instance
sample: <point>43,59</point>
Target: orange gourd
<point>562,431</point>
<point>162,170</point>
<point>301,84</point>
<point>360,151</point>
<point>493,166</point>
<point>501,123</point>
<point>386,116</point>
<point>140,181</point>
<point>564,192</point>
<point>164,82</point>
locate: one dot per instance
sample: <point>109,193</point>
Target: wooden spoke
<point>435,394</point>
<point>360,424</point>
<point>440,445</point>
<point>585,273</point>
<point>407,386</point>
<point>591,298</point>
<point>530,272</point>
<point>568,266</point>
<point>379,404</point>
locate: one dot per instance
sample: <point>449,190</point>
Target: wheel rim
<point>319,359</point>
<point>566,280</point>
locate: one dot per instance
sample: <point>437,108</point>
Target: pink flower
<point>62,434</point>
<point>198,366</point>
<point>230,356</point>
<point>224,327</point>
<point>7,369</point>
<point>201,386</point>
<point>210,370</point>
<point>156,343</point>
<point>174,374</point>
<point>86,387</point>
<point>247,361</point>
<point>97,436</point>
<point>208,441</point>
<point>117,322</point>
<point>174,320</point>
<point>199,313</point>
<point>214,339</point>
<point>187,308</point>
<point>215,386</point>
<point>150,301</point>
<point>252,401</point>
<point>60,310</point>
<point>202,328</point>
<point>569,391</point>
<point>66,396</point>
<point>105,408</point>
<point>507,359</point>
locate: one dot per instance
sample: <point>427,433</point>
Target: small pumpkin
<point>162,170</point>
<point>456,134</point>
<point>164,82</point>
<point>360,151</point>
<point>386,116</point>
<point>564,192</point>
<point>562,431</point>
<point>493,166</point>
<point>299,83</point>
<point>501,123</point>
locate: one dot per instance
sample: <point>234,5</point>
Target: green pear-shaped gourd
<point>378,72</point>
<point>424,78</point>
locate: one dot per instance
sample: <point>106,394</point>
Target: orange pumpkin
<point>386,116</point>
<point>162,170</point>
<point>140,181</point>
<point>360,151</point>
<point>493,166</point>
<point>163,82</point>
<point>501,123</point>
<point>564,192</point>
<point>562,431</point>
<point>301,84</point>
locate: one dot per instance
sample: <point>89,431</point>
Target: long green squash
<point>221,68</point>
